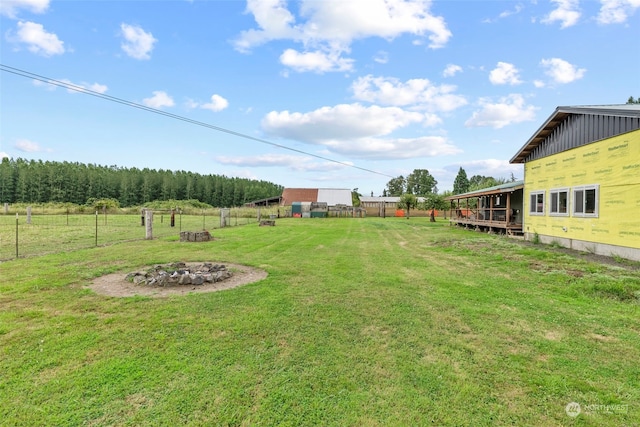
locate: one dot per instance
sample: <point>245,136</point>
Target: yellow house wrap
<point>582,180</point>
<point>609,171</point>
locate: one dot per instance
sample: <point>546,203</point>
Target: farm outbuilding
<point>319,202</point>
<point>582,180</point>
<point>330,196</point>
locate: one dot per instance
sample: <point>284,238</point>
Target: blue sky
<point>385,85</point>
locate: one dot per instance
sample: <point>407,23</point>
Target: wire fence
<point>23,235</point>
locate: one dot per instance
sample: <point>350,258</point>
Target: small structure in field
<point>195,236</point>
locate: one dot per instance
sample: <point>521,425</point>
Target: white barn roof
<point>335,196</point>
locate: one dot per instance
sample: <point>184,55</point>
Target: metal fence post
<point>16,234</point>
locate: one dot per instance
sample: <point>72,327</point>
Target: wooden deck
<point>476,220</point>
<point>512,228</point>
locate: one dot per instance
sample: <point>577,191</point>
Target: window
<point>559,202</point>
<point>585,201</point>
<point>536,205</point>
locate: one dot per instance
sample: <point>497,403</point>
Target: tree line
<point>31,181</point>
<point>420,183</point>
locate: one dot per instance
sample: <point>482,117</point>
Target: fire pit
<point>179,273</point>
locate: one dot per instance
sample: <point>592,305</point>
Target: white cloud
<point>567,13</point>
<point>47,86</point>
<point>190,104</point>
<point>504,73</point>
<point>97,87</point>
<point>274,20</point>
<point>317,61</point>
<point>37,39</point>
<point>451,70</point>
<point>10,8</point>
<point>562,71</point>
<point>517,9</point>
<point>330,27</point>
<point>508,110</point>
<point>3,155</point>
<point>394,148</point>
<point>217,104</point>
<point>381,57</point>
<point>539,83</point>
<point>505,14</point>
<point>137,43</point>
<point>27,146</point>
<point>345,121</point>
<point>79,87</point>
<point>356,131</point>
<point>414,92</point>
<point>616,11</point>
<point>158,100</point>
<point>497,168</point>
<point>293,162</point>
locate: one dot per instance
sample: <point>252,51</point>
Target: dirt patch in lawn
<point>116,285</point>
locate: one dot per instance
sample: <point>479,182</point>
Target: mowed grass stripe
<point>360,322</point>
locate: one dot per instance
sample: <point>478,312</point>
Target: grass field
<point>363,322</point>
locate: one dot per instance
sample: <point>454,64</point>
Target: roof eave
<point>559,115</point>
<point>479,193</point>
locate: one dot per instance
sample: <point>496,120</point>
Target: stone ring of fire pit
<point>127,284</point>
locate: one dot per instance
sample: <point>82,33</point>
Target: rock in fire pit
<point>179,273</point>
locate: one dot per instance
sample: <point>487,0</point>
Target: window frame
<point>531,205</point>
<point>556,192</point>
<point>575,205</point>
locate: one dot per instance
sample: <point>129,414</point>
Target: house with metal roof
<point>582,180</point>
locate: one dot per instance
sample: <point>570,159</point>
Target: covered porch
<point>494,209</point>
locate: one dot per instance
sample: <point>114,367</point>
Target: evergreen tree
<point>461,183</point>
<point>7,180</point>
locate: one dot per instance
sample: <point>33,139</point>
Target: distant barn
<point>319,203</point>
<point>330,196</point>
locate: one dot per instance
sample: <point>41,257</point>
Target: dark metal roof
<point>559,116</point>
<point>497,189</point>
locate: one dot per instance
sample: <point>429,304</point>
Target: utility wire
<point>80,89</point>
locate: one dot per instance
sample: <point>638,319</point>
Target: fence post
<point>96,228</point>
<point>16,234</point>
<point>149,223</point>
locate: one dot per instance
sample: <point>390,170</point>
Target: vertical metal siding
<point>582,129</point>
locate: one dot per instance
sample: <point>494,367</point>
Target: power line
<point>80,89</point>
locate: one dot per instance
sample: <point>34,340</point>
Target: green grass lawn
<point>364,322</point>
